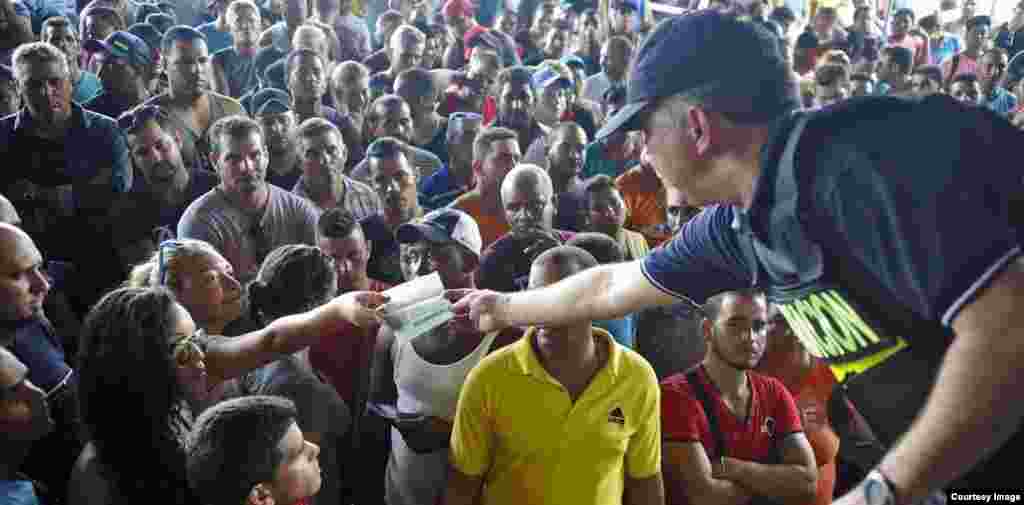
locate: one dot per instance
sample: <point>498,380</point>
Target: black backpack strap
<point>697,385</point>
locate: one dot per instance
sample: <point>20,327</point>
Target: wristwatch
<point>878,490</point>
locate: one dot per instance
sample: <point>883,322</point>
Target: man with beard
<point>271,107</point>
<point>63,35</point>
<point>495,153</point>
<point>234,69</point>
<point>126,66</point>
<point>570,387</point>
<point>606,213</point>
<point>724,400</point>
<point>244,217</point>
<point>166,181</point>
<point>189,102</point>
<point>390,116</point>
<point>395,179</point>
<point>322,155</point>
<point>516,105</point>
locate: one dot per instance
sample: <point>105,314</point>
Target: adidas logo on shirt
<point>616,416</point>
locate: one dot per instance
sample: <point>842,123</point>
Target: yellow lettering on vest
<point>822,330</point>
<point>839,332</point>
<point>851,317</point>
<point>803,330</point>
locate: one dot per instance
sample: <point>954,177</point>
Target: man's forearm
<point>594,294</point>
<point>788,483</point>
<point>970,413</point>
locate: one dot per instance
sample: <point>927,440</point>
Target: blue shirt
<point>216,40</point>
<point>93,141</point>
<point>240,72</point>
<point>1002,102</point>
<point>108,105</point>
<point>18,492</point>
<point>439,189</point>
<point>87,88</point>
<point>623,329</point>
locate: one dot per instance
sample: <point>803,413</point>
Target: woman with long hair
<point>143,360</point>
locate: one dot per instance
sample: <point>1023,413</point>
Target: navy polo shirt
<point>907,211</point>
<point>93,141</point>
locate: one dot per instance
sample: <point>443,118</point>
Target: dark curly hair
<point>130,399</point>
<point>293,278</point>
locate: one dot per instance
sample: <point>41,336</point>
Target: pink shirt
<point>966,65</point>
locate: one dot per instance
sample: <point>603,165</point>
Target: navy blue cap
<point>123,45</point>
<point>270,101</point>
<point>684,53</point>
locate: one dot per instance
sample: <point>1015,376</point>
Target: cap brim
<point>416,232</point>
<point>626,119</point>
<point>96,46</point>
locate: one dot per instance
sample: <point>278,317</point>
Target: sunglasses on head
<point>138,116</point>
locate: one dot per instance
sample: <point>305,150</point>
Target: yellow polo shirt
<point>517,428</point>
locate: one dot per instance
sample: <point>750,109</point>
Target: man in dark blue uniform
<point>892,258</point>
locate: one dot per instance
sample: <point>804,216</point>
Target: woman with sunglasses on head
<point>144,366</point>
<point>201,280</point>
<point>295,279</point>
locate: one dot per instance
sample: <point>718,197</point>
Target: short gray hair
<point>406,33</point>
<point>37,52</point>
<point>234,126</point>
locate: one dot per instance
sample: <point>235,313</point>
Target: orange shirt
<point>645,199</point>
<point>491,227</point>
<point>812,395</point>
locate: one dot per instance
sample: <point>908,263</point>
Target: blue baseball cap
<point>545,76</point>
<point>698,50</point>
<point>123,45</point>
<point>270,101</point>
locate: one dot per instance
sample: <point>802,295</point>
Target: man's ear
<point>700,130</point>
<point>260,495</point>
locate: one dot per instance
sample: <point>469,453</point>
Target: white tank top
<point>418,479</point>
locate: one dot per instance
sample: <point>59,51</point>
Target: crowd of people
<point>205,204</point>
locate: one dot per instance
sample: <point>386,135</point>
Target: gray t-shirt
<point>245,240</point>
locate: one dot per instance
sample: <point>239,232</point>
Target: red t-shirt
<point>772,414</point>
<point>344,357</point>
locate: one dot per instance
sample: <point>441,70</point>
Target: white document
<point>417,307</point>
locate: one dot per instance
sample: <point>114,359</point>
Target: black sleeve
<point>930,218</point>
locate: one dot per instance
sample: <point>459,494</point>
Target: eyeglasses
<point>189,349</point>
<point>135,118</point>
<point>161,265</point>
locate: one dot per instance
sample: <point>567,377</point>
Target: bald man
<point>570,387</point>
<point>527,195</point>
<point>8,214</point>
<point>27,334</point>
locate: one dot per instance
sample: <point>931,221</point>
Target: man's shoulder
<point>635,369</point>
<point>286,199</point>
<point>771,388</point>
<point>230,105</point>
<point>500,363</point>
<point>211,202</point>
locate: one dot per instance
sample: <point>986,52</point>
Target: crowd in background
<point>188,188</point>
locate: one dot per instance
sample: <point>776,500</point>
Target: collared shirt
<point>93,142</point>
<point>354,196</point>
<point>899,253</point>
<point>518,428</point>
<point>108,104</point>
<point>439,190</point>
<point>87,88</point>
